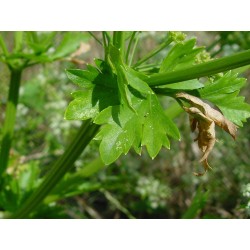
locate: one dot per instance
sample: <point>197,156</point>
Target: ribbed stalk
<point>60,167</point>
<point>204,69</point>
<point>10,118</point>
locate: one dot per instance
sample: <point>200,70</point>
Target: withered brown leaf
<point>210,112</point>
<point>204,117</point>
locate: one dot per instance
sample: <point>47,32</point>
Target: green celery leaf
<point>224,94</point>
<point>135,82</point>
<point>227,84</point>
<point>124,104</point>
<point>99,63</point>
<point>100,92</point>
<point>127,77</point>
<point>83,78</point>
<point>123,87</point>
<point>81,107</point>
<point>119,133</point>
<point>123,128</point>
<point>235,109</point>
<point>156,126</point>
<point>88,103</point>
<point>181,56</point>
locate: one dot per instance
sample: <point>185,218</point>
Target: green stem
<point>34,36</point>
<point>60,167</point>
<point>133,51</point>
<point>105,44</point>
<point>119,41</point>
<point>10,118</point>
<point>154,52</point>
<point>129,46</point>
<point>147,67</point>
<point>18,41</point>
<point>204,69</point>
<point>106,34</point>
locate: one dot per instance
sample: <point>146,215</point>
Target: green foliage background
<point>132,187</point>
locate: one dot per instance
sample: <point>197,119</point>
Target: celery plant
<point>119,101</point>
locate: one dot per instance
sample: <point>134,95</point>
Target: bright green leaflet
<point>181,56</point>
<point>120,132</point>
<point>100,92</point>
<point>235,109</point>
<point>156,126</point>
<point>83,78</point>
<point>224,94</point>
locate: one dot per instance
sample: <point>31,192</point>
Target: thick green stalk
<point>10,118</point>
<point>60,167</point>
<point>204,69</point>
<point>119,41</point>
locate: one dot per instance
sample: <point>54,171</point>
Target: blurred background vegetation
<point>132,187</point>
